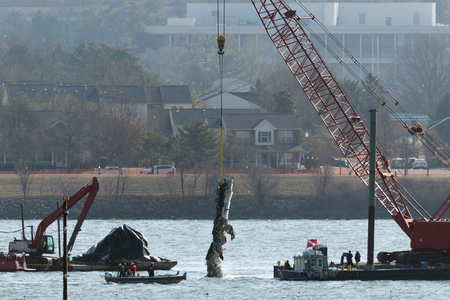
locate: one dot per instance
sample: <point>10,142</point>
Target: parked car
<point>160,169</point>
<point>419,163</point>
<point>397,163</point>
<point>340,162</point>
<point>410,163</point>
<point>336,162</point>
<point>111,170</point>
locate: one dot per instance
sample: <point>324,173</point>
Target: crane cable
<point>221,46</point>
<point>430,142</point>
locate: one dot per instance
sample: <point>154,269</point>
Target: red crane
<point>44,243</point>
<point>428,232</point>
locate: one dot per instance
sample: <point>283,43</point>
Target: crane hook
<point>221,44</point>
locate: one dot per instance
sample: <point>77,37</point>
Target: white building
<point>375,33</point>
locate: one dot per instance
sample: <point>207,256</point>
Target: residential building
<point>132,100</point>
<point>273,140</point>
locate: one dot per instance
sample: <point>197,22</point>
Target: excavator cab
<point>47,244</point>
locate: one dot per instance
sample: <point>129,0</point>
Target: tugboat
<point>13,262</point>
<point>311,265</point>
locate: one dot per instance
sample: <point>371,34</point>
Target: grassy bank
<point>160,197</point>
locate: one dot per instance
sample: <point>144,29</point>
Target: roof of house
<point>158,121</point>
<point>279,121</point>
<point>212,116</point>
<point>169,94</point>
<point>232,85</point>
<point>163,95</point>
<point>122,94</point>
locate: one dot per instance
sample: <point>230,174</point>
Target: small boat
<point>109,277</point>
<point>311,265</point>
<point>13,262</point>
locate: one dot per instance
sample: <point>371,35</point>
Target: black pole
<point>23,224</point>
<point>372,167</point>
<point>59,232</point>
<point>65,247</point>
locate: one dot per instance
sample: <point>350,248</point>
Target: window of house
<point>86,157</point>
<point>47,156</point>
<point>416,18</point>
<point>243,137</point>
<point>286,137</point>
<point>287,159</point>
<point>264,158</point>
<point>264,137</point>
<point>362,18</point>
<point>388,21</point>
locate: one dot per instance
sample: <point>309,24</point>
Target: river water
<point>249,261</point>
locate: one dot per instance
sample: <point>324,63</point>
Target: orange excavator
<point>42,243</point>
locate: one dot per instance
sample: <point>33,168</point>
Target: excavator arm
<point>90,189</point>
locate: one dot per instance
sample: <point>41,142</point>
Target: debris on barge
<point>122,245</point>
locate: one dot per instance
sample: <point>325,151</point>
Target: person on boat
<point>349,258</point>
<point>133,269</point>
<point>151,271</point>
<point>287,266</point>
<point>121,270</point>
<point>357,258</point>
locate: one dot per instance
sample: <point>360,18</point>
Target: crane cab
<point>47,246</point>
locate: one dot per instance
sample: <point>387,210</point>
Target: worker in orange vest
<point>133,269</point>
<point>151,271</point>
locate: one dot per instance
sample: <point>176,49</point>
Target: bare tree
<point>422,73</point>
<point>117,138</point>
<point>69,134</point>
<point>321,182</point>
<point>66,13</point>
<point>20,137</point>
<point>115,186</point>
<point>261,183</point>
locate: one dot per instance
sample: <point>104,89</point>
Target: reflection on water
<point>248,263</point>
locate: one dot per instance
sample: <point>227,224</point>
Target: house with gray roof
<point>132,99</point>
<point>232,100</point>
<point>274,139</point>
<point>169,96</point>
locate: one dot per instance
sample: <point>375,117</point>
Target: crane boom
<point>284,28</point>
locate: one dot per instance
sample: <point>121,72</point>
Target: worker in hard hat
<point>121,270</point>
<point>151,271</point>
<point>133,269</point>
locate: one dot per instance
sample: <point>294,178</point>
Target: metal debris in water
<point>214,257</point>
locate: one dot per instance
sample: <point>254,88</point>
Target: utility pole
<point>59,232</point>
<point>23,224</point>
<point>65,267</point>
<point>372,167</point>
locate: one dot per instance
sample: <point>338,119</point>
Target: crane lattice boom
<point>321,88</point>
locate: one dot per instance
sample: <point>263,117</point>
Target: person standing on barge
<point>349,258</point>
<point>357,258</point>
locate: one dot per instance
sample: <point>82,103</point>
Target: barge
<point>313,265</point>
